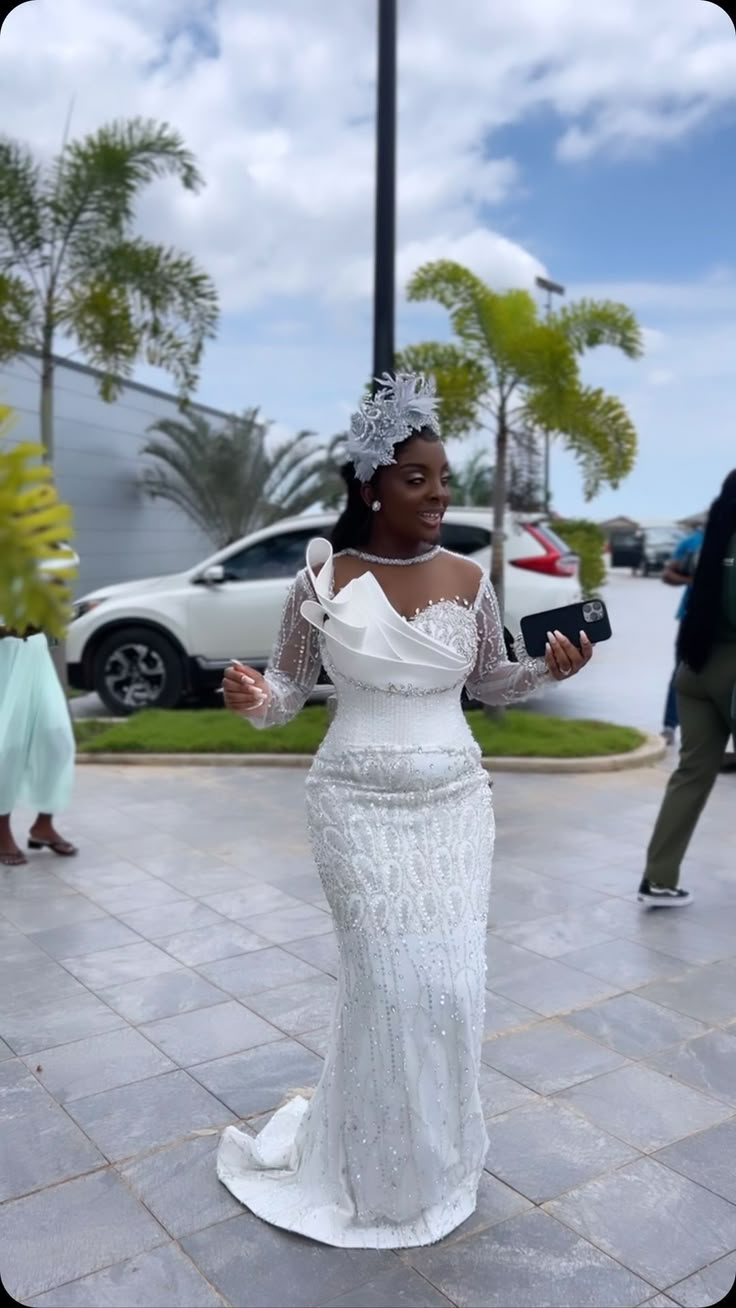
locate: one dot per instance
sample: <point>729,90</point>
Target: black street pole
<point>385,231</point>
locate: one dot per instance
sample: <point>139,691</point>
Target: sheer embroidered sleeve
<point>494,679</point>
<point>295,663</point>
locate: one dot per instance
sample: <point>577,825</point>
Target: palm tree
<point>511,373</point>
<point>72,267</point>
<point>228,481</point>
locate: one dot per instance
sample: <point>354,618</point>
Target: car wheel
<point>136,668</point>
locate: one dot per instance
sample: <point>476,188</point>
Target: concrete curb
<point>651,752</point>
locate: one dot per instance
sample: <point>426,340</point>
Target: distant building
<point>121,533</point>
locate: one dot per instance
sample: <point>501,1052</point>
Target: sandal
<point>13,860</point>
<point>61,847</point>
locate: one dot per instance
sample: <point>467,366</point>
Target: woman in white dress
<point>389,1150</point>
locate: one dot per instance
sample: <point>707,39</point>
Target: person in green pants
<point>706,699</point>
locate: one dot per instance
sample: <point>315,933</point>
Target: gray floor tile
<point>84,938</point>
<point>48,913</point>
<point>113,967</point>
<point>709,1286</point>
<point>260,1079</point>
<point>288,924</point>
<point>692,941</point>
<point>318,1041</point>
<point>179,1185</point>
<point>164,995</point>
<point>708,1063</point>
<point>560,933</point>
<point>530,1261</point>
<point>40,1145</point>
<point>549,1056</point>
<point>58,1021</point>
<point>253,898</point>
<point>685,1226</point>
<point>71,1230</point>
<point>255,1265</point>
<point>5,1051</point>
<point>321,951</point>
<point>132,898</point>
<point>707,994</point>
<point>634,1026</point>
<point>148,1114</point>
<point>304,1006</point>
<point>262,970</point>
<point>209,1033</point>
<point>206,944</point>
<point>644,1108</point>
<point>502,1014</point>
<point>400,1287</point>
<point>544,1149</point>
<point>625,963</point>
<point>707,1158</point>
<point>185,915</point>
<point>501,1094</point>
<point>158,1279</point>
<point>551,988</point>
<point>496,1202</point>
<point>100,1062</point>
<point>504,958</point>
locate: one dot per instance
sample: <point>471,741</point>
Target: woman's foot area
<point>10,854</point>
<point>43,835</point>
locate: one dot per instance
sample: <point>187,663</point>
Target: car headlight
<point>82,607</point>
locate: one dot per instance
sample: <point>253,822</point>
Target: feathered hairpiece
<point>403,404</point>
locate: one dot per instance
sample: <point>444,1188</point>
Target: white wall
<point>121,534</point>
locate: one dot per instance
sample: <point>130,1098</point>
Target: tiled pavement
<point>179,975</point>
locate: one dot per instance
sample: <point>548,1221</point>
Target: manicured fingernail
<point>550,636</point>
<point>559,635</point>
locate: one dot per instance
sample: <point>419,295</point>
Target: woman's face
<point>414,492</point>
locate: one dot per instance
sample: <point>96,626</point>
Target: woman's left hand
<point>564,659</point>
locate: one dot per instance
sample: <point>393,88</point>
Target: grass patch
<point>519,734</point>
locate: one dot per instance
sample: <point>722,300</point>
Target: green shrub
<point>587,541</point>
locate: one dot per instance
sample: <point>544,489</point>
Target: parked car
<point>155,642</point>
<point>644,551</point>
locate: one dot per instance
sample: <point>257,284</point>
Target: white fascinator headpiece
<point>403,404</point>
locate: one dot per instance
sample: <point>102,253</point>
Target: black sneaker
<point>663,896</point>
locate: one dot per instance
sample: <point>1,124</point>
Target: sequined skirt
<point>389,1151</point>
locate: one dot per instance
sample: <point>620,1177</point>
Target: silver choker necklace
<point>376,558</point>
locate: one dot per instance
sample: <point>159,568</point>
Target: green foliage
<point>513,372</point>
<point>227,480</point>
<point>34,530</point>
<point>586,540</point>
<point>212,731</point>
<point>71,264</point>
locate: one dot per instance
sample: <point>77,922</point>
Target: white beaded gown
<point>389,1151</point>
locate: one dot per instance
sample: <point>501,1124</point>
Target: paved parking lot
<point>179,975</point>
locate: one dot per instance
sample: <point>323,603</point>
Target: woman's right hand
<point>246,691</point>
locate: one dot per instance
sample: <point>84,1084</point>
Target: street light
<point>552,288</point>
<point>385,231</point>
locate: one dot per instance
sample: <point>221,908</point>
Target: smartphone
<point>590,616</point>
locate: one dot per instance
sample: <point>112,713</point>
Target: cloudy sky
<point>593,143</point>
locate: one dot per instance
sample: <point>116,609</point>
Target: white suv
<point>153,643</point>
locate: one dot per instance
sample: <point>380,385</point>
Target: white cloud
<point>276,98</point>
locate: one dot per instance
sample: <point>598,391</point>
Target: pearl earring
<point>376,506</point>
